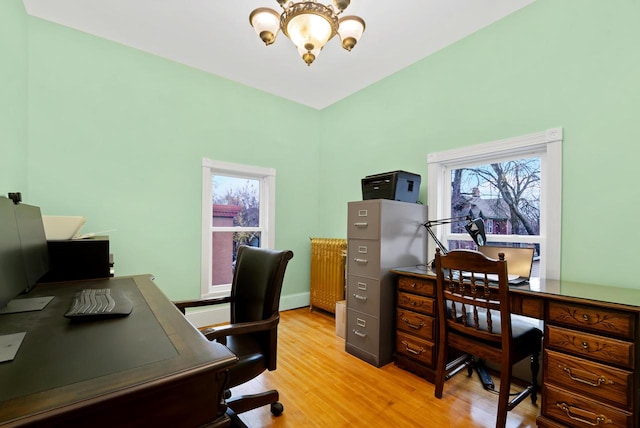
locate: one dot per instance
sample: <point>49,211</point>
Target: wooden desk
<point>151,368</point>
<point>591,361</point>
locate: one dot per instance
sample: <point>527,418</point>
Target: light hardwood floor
<point>321,385</point>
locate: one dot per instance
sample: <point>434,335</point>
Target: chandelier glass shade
<point>309,25</point>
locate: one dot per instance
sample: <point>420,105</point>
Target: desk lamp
<point>475,228</point>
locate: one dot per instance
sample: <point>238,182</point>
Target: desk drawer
<point>363,294</point>
<point>597,320</point>
<point>363,258</point>
<point>416,348</point>
<point>604,349</point>
<point>578,411</point>
<point>418,286</point>
<point>594,380</point>
<point>417,324</point>
<point>416,303</point>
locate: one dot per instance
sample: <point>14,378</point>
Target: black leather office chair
<point>474,317</point>
<point>253,329</point>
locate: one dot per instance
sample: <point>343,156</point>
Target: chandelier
<point>309,25</point>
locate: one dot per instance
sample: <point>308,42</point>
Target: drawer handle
<point>585,317</point>
<point>362,261</point>
<point>359,334</point>
<point>359,297</point>
<point>414,326</point>
<point>599,381</point>
<point>581,415</point>
<point>411,350</point>
<point>361,225</point>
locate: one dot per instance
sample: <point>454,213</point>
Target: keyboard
<point>91,303</point>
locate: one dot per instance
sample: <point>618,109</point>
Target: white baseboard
<point>220,313</point>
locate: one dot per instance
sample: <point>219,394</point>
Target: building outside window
<point>237,209</point>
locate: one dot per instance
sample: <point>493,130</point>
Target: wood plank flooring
<point>321,385</point>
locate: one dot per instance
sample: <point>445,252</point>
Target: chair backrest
<point>473,301</point>
<point>257,283</point>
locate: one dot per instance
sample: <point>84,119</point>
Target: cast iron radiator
<point>327,272</point>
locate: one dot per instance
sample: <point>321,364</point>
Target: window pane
<point>236,201</point>
<point>224,247</point>
<point>505,195</point>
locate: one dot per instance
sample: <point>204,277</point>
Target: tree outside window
<point>505,195</point>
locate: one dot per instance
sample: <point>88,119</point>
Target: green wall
<point>573,64</point>
<point>13,97</point>
<point>118,135</point>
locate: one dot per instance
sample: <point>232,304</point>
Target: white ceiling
<point>215,36</point>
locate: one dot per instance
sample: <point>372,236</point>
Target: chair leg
<point>503,396</point>
<point>535,368</point>
<point>245,403</point>
<point>441,369</point>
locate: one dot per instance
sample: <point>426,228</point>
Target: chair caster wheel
<point>277,408</point>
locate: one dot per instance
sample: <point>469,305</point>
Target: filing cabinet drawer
<point>362,331</point>
<point>604,349</point>
<point>594,380</point>
<point>363,258</point>
<point>418,286</point>
<point>579,411</point>
<point>363,220</point>
<point>420,325</point>
<point>416,348</point>
<point>592,319</point>
<point>363,294</point>
<point>416,303</point>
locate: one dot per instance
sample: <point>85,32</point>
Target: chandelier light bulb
<point>266,22</point>
<point>350,29</point>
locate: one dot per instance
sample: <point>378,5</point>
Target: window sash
<point>547,145</point>
<point>267,178</point>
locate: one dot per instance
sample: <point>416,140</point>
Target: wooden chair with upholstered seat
<point>474,318</point>
<point>253,329</point>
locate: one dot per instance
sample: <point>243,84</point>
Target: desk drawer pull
<point>581,415</point>
<point>361,261</point>
<point>410,350</point>
<point>599,380</point>
<point>361,225</point>
<point>414,326</point>
<point>359,297</point>
<point>359,334</point>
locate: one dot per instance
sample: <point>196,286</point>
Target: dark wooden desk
<point>591,361</point>
<point>151,368</point>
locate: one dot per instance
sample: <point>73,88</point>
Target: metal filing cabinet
<point>381,235</point>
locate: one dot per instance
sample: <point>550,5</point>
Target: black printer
<point>396,185</point>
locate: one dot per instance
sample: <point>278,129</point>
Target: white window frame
<point>267,178</point>
<point>547,145</point>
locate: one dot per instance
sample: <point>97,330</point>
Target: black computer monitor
<point>35,253</point>
<point>13,276</point>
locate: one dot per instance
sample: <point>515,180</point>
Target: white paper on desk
<point>9,345</point>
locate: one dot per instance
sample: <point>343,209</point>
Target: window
<point>237,209</point>
<point>514,185</point>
